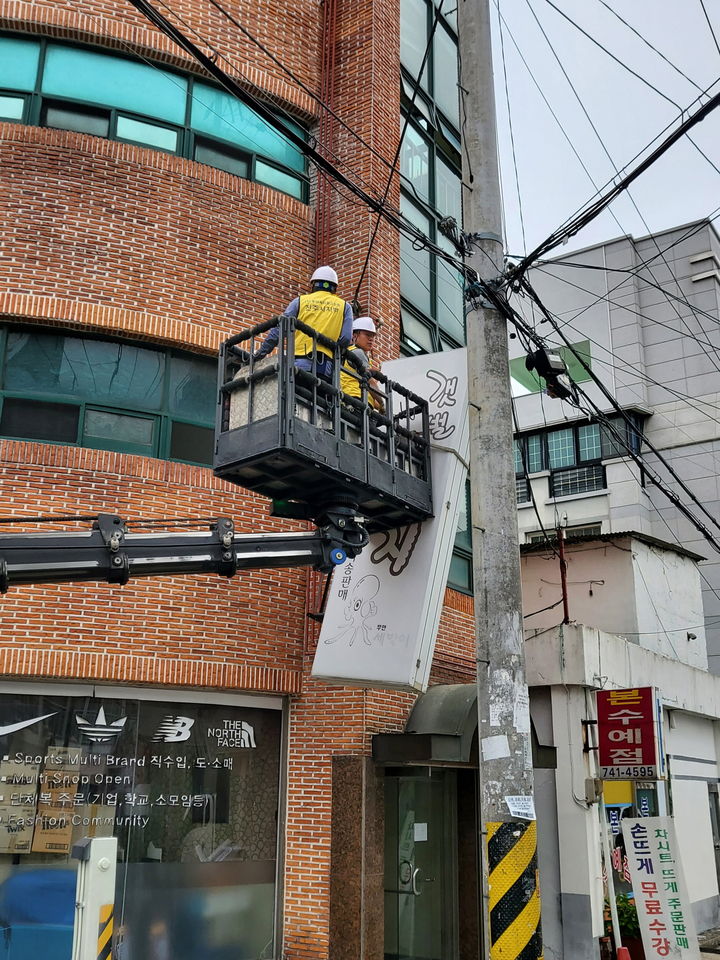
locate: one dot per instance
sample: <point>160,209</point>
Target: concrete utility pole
<point>508,842</point>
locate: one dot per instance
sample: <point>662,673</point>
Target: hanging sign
<point>629,734</point>
<point>663,906</point>
<point>384,606</point>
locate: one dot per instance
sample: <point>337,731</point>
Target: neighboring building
<point>656,350</point>
<point>148,217</point>
<point>611,583</point>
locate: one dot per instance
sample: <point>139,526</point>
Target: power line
<point>647,43</point>
<point>624,443</point>
<point>712,31</point>
<point>595,209</point>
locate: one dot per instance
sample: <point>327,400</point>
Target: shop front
<point>189,784</point>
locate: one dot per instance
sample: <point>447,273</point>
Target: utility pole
<point>510,916</point>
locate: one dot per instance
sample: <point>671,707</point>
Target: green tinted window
<point>273,177</point>
<point>18,63</point>
<point>150,133</point>
<point>561,448</point>
<point>192,387</point>
<point>413,37</point>
<point>415,162</point>
<point>220,115</point>
<point>109,396</point>
<point>114,373</point>
<point>114,82</point>
<point>11,108</point>
<point>445,75</point>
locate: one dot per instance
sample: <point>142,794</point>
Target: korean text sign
<point>629,734</point>
<point>663,907</point>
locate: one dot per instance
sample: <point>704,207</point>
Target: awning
<point>442,730</point>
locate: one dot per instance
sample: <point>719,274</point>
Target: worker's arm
<point>346,330</point>
<point>273,335</point>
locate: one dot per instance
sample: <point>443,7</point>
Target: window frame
<point>163,415</point>
<point>35,100</point>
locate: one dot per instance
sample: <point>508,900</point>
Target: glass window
<point>415,162</point>
<point>190,790</point>
<point>224,158</point>
<point>460,575</point>
<point>36,420</point>
<point>12,108</point>
<point>589,441</point>
<point>150,133</point>
<point>154,389</point>
<point>191,443</point>
<point>463,537</point>
<point>193,387</point>
<point>115,82</point>
<point>535,458</point>
<point>561,448</point>
<point>18,63</point>
<point>445,74</point>
<point>118,431</point>
<point>78,118</point>
<point>450,309</point>
<point>519,466</point>
<point>273,177</point>
<point>448,190</point>
<point>413,37</point>
<point>415,276</point>
<point>218,114</point>
<point>115,373</point>
<point>417,334</point>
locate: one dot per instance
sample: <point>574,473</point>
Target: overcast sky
<point>627,114</point>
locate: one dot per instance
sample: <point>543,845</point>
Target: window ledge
<point>524,505</point>
<point>578,496</point>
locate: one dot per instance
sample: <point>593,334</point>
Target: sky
<point>551,184</point>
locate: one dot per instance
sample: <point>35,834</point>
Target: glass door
<point>421,918</point>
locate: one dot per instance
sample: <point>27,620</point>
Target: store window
<point>190,790</point>
<point>89,91</point>
<point>109,395</point>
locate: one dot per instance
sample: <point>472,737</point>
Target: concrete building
<point>644,313</point>
<point>567,664</point>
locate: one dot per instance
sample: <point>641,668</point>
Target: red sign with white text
<point>629,734</point>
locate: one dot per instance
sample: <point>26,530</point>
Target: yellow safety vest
<point>323,312</point>
<point>349,384</point>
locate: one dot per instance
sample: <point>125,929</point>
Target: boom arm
<point>109,552</point>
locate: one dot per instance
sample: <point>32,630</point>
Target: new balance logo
<point>173,729</point>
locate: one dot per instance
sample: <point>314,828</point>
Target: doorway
<point>421,870</point>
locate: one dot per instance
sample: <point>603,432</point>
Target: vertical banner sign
<point>663,907</point>
<point>384,606</point>
<point>629,734</point>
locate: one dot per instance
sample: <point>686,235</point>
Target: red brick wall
<point>109,237</point>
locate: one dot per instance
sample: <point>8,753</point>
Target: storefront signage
<point>663,907</point>
<point>384,606</point>
<point>629,734</point>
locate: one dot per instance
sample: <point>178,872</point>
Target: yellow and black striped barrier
<point>514,892</point>
<point>105,932</point>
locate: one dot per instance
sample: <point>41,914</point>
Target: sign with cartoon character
<point>384,606</point>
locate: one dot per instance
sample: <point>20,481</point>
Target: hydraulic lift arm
<point>109,552</point>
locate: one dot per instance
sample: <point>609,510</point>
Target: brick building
<point>147,217</point>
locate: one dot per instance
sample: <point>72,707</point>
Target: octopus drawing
<point>358,612</point>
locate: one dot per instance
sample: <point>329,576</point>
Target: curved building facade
<point>148,216</point>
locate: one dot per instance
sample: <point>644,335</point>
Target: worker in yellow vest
<point>364,332</point>
<point>324,311</point>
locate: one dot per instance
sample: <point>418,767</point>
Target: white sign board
<point>384,606</point>
<point>663,907</point>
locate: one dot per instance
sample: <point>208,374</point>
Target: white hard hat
<point>325,273</point>
<point>364,323</point>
